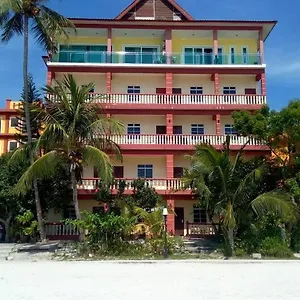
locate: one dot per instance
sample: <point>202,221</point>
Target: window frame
<point>10,122</point>
<point>196,90</point>
<point>229,90</point>
<point>134,126</point>
<point>197,127</point>
<point>145,168</point>
<point>231,128</point>
<point>9,143</point>
<point>199,215</point>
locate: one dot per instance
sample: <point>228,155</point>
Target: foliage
<point>27,225</point>
<point>274,247</point>
<point>216,180</point>
<point>74,135</point>
<point>104,232</point>
<point>295,237</point>
<point>155,246</point>
<point>45,23</point>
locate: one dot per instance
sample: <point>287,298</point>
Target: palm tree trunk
<point>231,240</point>
<point>28,127</point>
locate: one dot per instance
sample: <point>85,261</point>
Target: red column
<point>108,82</point>
<point>216,84</point>
<point>109,38</point>
<point>215,43</point>
<point>8,102</point>
<point>169,123</point>
<point>261,46</point>
<point>263,83</point>
<point>170,166</point>
<point>171,217</point>
<point>168,41</point>
<point>218,124</point>
<point>169,83</point>
<point>6,131</point>
<point>50,77</point>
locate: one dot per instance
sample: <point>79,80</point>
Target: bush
<point>274,247</point>
<point>295,237</point>
<point>156,246</point>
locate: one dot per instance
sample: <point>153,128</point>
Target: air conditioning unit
<point>176,16</point>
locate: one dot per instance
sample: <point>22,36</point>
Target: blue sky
<point>282,47</point>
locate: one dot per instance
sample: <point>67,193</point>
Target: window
<point>244,55</point>
<point>133,89</point>
<point>229,90</point>
<point>197,129</point>
<point>12,145</point>
<point>0,124</point>
<point>145,171</point>
<point>232,55</point>
<point>14,122</point>
<point>199,215</point>
<point>141,55</point>
<point>196,90</point>
<point>133,129</point>
<point>229,129</point>
<point>69,213</point>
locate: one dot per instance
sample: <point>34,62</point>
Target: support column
<point>169,123</point>
<point>263,83</point>
<point>171,217</point>
<point>215,43</point>
<point>216,83</point>
<point>6,131</point>
<point>261,46</point>
<point>108,82</point>
<point>169,83</point>
<point>218,124</point>
<point>168,44</point>
<point>170,166</point>
<point>50,77</point>
<point>109,45</point>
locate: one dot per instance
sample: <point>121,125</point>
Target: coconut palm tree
<point>214,178</point>
<point>75,132</point>
<point>18,17</point>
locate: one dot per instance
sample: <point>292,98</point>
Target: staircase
<point>6,251</point>
<point>201,245</point>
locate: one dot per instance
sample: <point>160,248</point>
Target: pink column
<point>218,124</point>
<point>108,82</point>
<point>168,44</point>
<point>169,123</point>
<point>263,83</point>
<point>169,83</point>
<point>216,44</point>
<point>170,166</point>
<point>261,46</point>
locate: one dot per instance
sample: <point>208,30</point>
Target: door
<point>179,221</point>
<point>118,172</point>
<point>178,172</point>
<point>132,55</point>
<point>250,91</point>
<point>161,129</point>
<point>208,56</point>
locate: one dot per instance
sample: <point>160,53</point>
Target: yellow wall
<point>187,121</point>
<point>2,124</point>
<point>148,122</point>
<point>1,147</point>
<point>178,44</point>
<point>186,81</point>
<point>120,42</point>
<point>130,164</point>
<point>85,40</point>
<point>147,82</point>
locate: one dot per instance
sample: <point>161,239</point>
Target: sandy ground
<point>163,280</point>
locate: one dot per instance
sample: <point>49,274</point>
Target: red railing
<point>61,231</point>
<point>200,229</point>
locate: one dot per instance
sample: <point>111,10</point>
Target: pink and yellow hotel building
<point>174,82</point>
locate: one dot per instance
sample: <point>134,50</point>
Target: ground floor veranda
<point>187,219</point>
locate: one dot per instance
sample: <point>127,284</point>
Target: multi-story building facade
<point>9,126</point>
<point>174,82</point>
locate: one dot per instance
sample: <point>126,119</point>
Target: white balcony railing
<point>159,184</point>
<point>182,139</point>
<point>180,99</point>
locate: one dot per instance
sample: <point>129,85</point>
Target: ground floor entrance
<point>179,221</point>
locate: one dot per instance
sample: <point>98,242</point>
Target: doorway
<point>161,129</point>
<point>179,221</point>
<point>250,91</point>
<point>177,129</point>
<point>2,232</point>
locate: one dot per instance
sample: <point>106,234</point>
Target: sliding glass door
<point>140,55</point>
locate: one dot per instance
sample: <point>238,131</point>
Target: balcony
<point>162,186</point>
<point>182,141</point>
<point>154,58</point>
<point>179,101</point>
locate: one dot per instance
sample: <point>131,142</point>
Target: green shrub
<point>240,252</point>
<point>295,237</point>
<point>274,247</point>
<point>155,246</point>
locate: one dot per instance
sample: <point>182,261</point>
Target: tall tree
<point>214,177</point>
<point>18,17</point>
<point>75,134</point>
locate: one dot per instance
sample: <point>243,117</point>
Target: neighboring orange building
<point>174,82</point>
<point>8,126</point>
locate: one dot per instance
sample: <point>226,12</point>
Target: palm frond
<point>101,161</point>
<point>278,202</point>
<point>13,26</point>
<point>105,125</point>
<point>42,168</point>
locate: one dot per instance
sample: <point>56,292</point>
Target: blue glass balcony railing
<point>155,58</point>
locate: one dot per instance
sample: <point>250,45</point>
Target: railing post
<point>187,229</point>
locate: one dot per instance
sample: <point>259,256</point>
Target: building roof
<point>173,3</point>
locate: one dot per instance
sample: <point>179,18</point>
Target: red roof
<point>171,2</point>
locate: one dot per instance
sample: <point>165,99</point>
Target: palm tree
<point>75,132</point>
<point>16,16</point>
<point>214,178</point>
